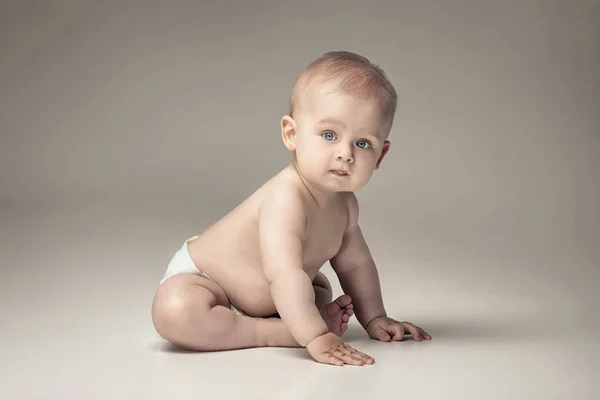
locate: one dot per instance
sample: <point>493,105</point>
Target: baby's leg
<point>193,313</point>
<point>323,291</point>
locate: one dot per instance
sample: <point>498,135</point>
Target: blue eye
<point>328,135</point>
<point>363,144</point>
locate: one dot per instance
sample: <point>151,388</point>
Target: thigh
<point>183,297</point>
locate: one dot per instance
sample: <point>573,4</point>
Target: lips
<point>339,172</point>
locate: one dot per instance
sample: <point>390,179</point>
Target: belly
<point>233,261</point>
<point>239,274</point>
<point>249,290</point>
<point>241,277</point>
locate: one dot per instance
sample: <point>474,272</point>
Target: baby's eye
<point>363,144</point>
<point>329,135</point>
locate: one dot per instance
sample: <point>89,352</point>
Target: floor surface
<point>78,283</point>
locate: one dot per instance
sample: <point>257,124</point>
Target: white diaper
<point>182,263</point>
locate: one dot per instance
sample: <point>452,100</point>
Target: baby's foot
<point>337,314</point>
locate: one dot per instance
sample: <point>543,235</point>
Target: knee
<point>322,282</point>
<point>323,290</point>
<point>167,310</point>
<point>172,315</point>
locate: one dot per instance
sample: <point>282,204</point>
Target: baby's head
<point>341,113</point>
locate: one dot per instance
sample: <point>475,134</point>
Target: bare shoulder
<point>285,188</point>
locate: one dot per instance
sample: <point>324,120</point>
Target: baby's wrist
<point>366,326</point>
<point>320,335</point>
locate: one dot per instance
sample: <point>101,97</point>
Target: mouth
<point>339,172</point>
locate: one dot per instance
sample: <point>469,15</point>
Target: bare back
<point>229,250</point>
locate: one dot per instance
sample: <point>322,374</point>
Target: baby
<point>252,279</point>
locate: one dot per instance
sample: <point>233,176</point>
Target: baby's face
<point>340,139</point>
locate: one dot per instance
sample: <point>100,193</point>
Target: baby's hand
<point>329,349</point>
<point>386,329</point>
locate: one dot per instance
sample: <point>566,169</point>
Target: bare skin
<point>189,304</point>
<point>193,312</point>
<point>267,252</point>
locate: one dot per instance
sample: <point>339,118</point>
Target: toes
<point>345,318</point>
<point>340,304</point>
<point>343,301</point>
<point>333,309</point>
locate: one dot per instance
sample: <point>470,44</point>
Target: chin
<point>339,188</point>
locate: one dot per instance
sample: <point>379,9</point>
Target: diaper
<point>182,263</point>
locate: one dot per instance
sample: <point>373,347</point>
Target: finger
<point>398,332</point>
<point>355,353</point>
<point>414,331</point>
<point>364,358</point>
<point>426,335</point>
<point>383,335</point>
<point>347,358</point>
<point>349,350</point>
<point>328,358</point>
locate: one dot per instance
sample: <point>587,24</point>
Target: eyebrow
<point>332,121</point>
<point>340,123</point>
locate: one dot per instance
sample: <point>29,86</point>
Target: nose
<point>345,154</point>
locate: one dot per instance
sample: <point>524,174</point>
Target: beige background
<point>126,127</point>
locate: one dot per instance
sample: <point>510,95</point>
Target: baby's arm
<point>356,270</point>
<point>282,223</point>
<point>359,279</point>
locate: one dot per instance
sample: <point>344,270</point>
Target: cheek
<point>314,148</point>
<point>367,157</point>
<point>311,152</point>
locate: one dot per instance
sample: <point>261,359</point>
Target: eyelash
<point>369,145</point>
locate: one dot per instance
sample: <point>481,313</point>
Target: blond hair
<point>355,74</point>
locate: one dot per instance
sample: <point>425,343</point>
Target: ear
<point>288,132</point>
<point>384,151</point>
